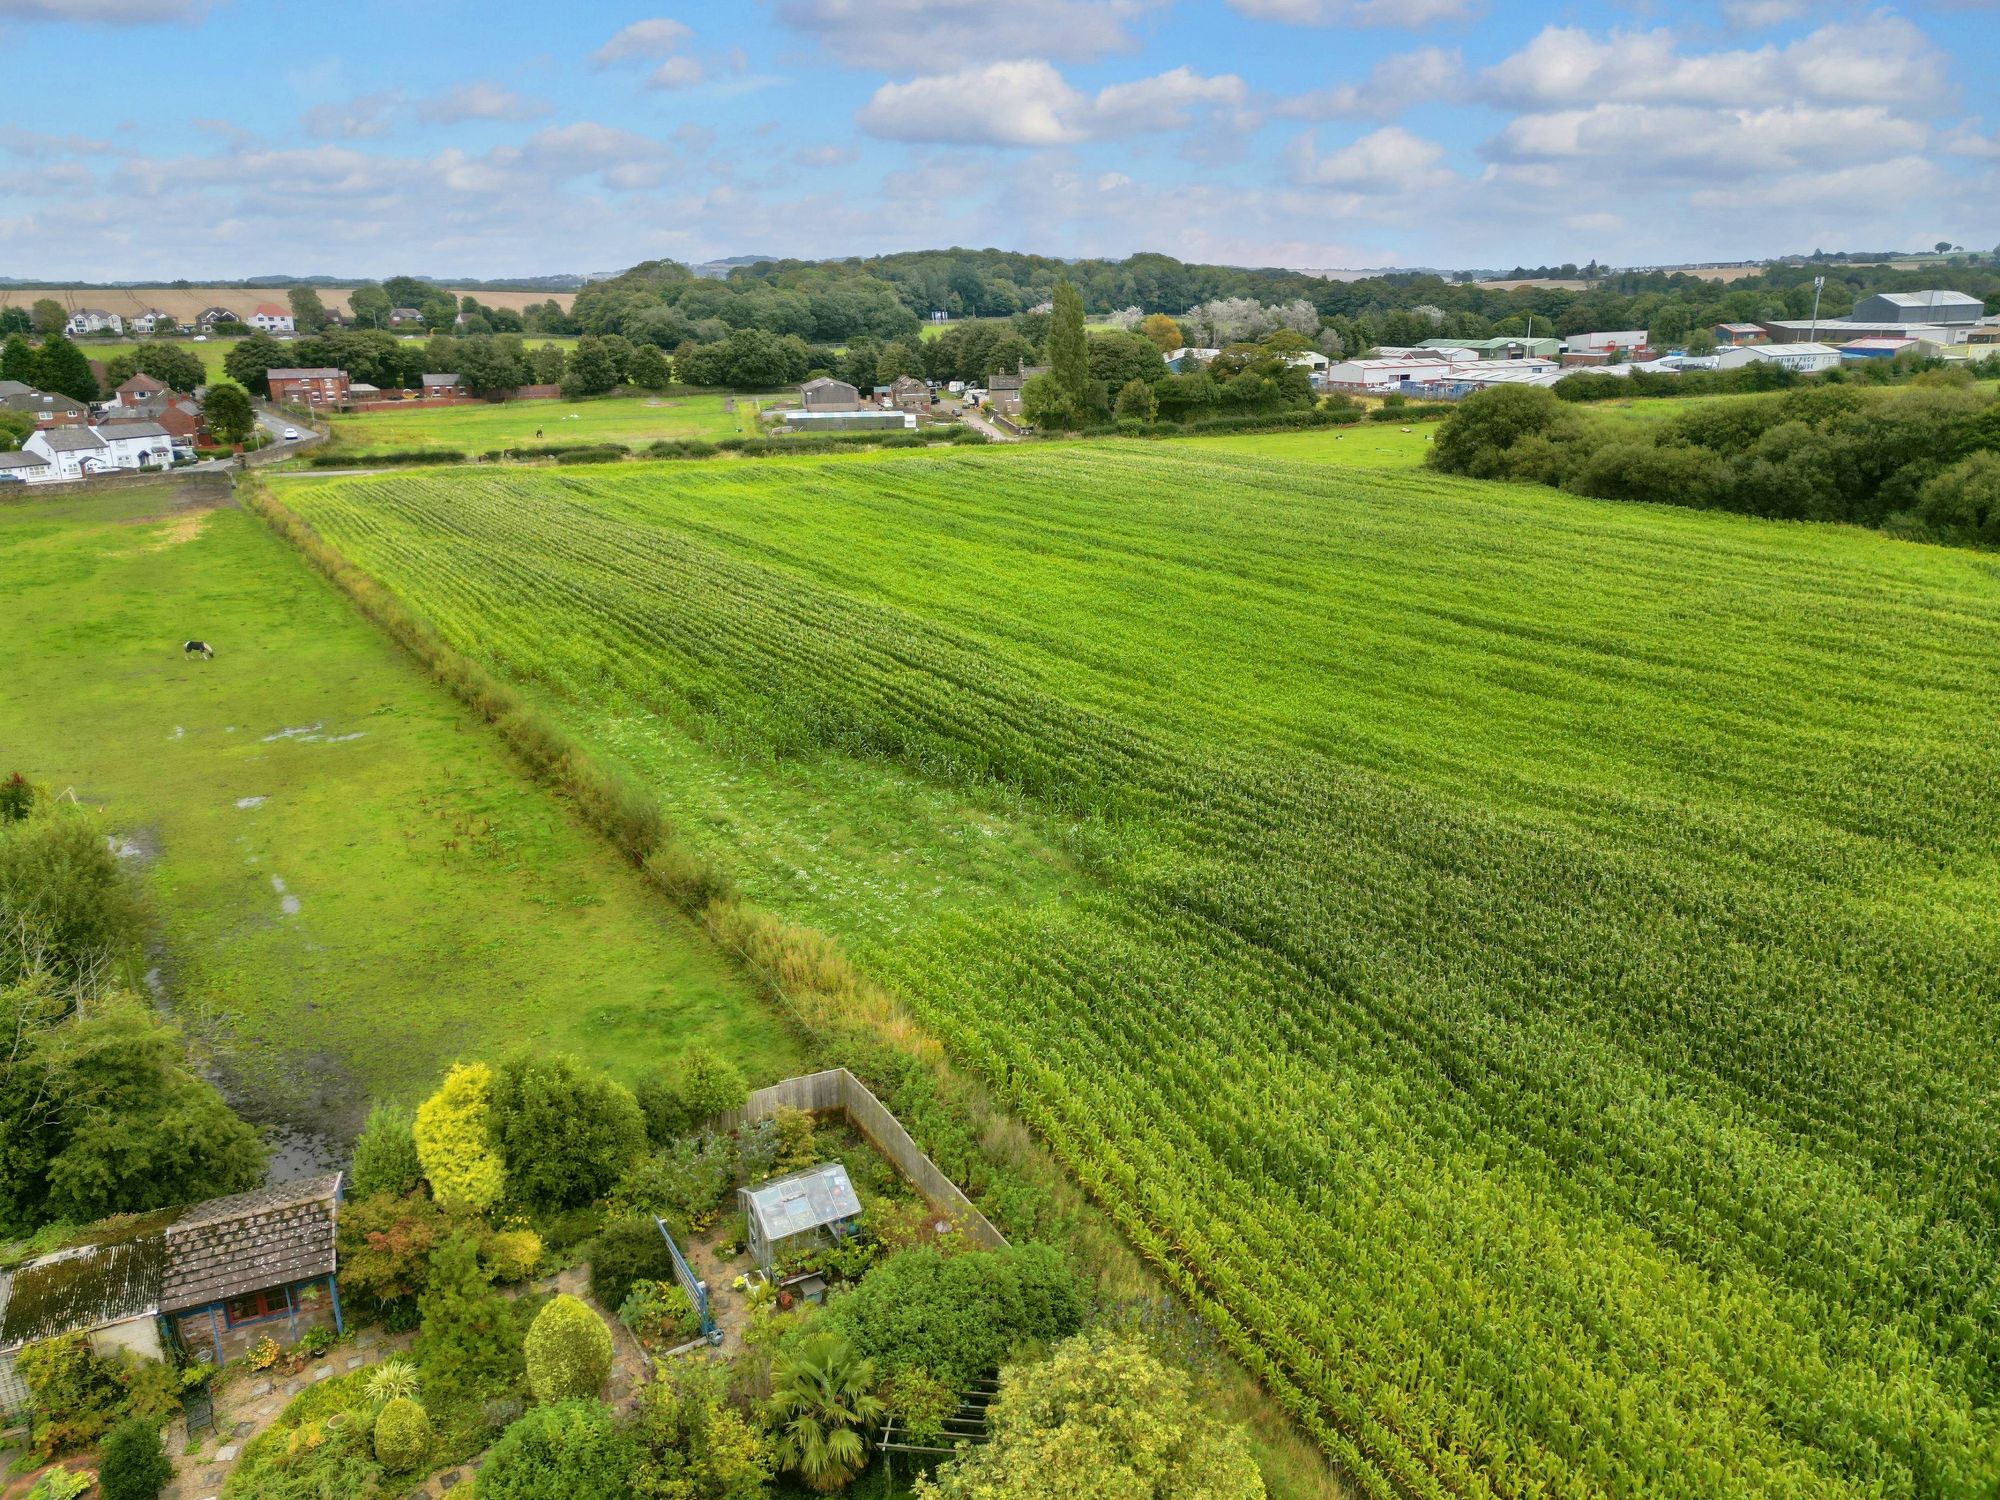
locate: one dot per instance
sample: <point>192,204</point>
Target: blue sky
<point>199,138</point>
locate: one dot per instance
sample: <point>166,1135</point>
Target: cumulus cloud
<point>364,117</point>
<point>898,36</point>
<point>677,73</point>
<point>1393,85</point>
<point>480,101</point>
<point>1406,13</point>
<point>1880,59</point>
<point>1029,103</point>
<point>654,38</point>
<point>1652,141</point>
<point>1390,160</point>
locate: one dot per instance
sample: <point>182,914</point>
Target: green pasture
<point>1375,445</point>
<point>211,353</point>
<point>355,884</point>
<point>485,426</point>
<point>1532,964</point>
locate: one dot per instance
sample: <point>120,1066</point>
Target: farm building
<point>807,1208</point>
<point>1733,335</point>
<point>910,393</point>
<point>220,1274</point>
<point>829,395</point>
<point>1501,348</point>
<point>1935,309</point>
<point>1805,358</point>
<point>93,320</point>
<point>1624,341</point>
<point>1003,391</point>
<point>321,385</point>
<point>1880,348</point>
<point>1370,375</point>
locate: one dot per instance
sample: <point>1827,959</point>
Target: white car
<point>291,433</point>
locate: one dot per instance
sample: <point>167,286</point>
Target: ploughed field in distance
<point>1525,966</point>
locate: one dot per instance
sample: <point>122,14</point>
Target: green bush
<point>567,1132</point>
<point>626,1251</point>
<point>822,1403</point>
<point>74,1394</point>
<point>395,457</point>
<point>708,1084</point>
<point>1964,500</point>
<point>957,1316</point>
<point>565,1450</point>
<point>470,1344</point>
<point>402,1436</point>
<point>133,1464</point>
<point>568,1351</point>
<point>60,1484</point>
<point>659,1312</point>
<point>61,885</point>
<point>385,1154</point>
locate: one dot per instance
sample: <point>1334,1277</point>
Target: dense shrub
<point>1964,500</point>
<point>690,1442</point>
<point>511,1254</point>
<point>708,1084</point>
<point>958,1316</point>
<point>1102,1417</point>
<point>385,1245</point>
<point>453,1133</point>
<point>470,1345</point>
<point>566,1450</point>
<point>385,1155</point>
<point>67,907</point>
<point>568,1351</point>
<point>822,1403</point>
<point>567,1132</point>
<point>599,453</point>
<point>133,1463</point>
<point>402,1436</point>
<point>394,456</point>
<point>626,1251</point>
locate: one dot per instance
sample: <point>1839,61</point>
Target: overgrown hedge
<point>393,457</point>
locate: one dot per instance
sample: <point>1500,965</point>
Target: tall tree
<point>227,412</point>
<point>251,361</point>
<point>1069,352</point>
<point>61,366</point>
<point>370,305</point>
<point>308,312</point>
<point>15,320</point>
<point>49,316</point>
<point>1163,331</point>
<point>17,361</point>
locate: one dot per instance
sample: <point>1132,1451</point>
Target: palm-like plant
<point>822,1398</point>
<point>391,1380</point>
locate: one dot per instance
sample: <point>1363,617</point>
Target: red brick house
<point>141,387</point>
<point>322,387</point>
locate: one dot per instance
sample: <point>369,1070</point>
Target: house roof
<point>15,388</point>
<point>1741,327</point>
<point>405,312</point>
<point>23,461</point>
<point>909,383</point>
<point>442,379</point>
<point>270,310</point>
<point>1928,299</point>
<point>142,382</point>
<point>317,372</point>
<point>229,1246</point>
<point>90,312</point>
<point>811,1199</point>
<point>825,383</point>
<point>141,429</point>
<point>70,439</point>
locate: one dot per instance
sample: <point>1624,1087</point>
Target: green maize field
<point>1524,967</point>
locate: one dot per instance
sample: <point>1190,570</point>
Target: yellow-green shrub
<point>568,1350</point>
<point>454,1140</point>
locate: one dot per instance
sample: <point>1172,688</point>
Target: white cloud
<point>106,12</point>
<point>1388,160</point>
<point>1966,140</point>
<point>654,38</point>
<point>1643,141</point>
<point>365,117</point>
<point>894,36</point>
<point>1880,59</point>
<point>35,145</point>
<point>1029,103</point>
<point>677,73</point>
<point>1393,85</point>
<point>1404,13</point>
<point>480,100</point>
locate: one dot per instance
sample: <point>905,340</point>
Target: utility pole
<point>1819,282</point>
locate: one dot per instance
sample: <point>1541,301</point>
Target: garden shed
<point>795,1212</point>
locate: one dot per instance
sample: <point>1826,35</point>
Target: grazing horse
<point>198,648</point>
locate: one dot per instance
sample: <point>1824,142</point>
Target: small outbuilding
<point>815,1207</point>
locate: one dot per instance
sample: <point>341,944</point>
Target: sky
<point>147,139</point>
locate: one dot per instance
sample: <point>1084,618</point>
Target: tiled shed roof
<point>241,1244</point>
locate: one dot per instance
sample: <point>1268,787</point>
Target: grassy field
<point>1374,445</point>
<point>484,427</point>
<point>1526,967</point>
<point>355,884</point>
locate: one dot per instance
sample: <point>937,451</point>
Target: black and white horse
<point>198,648</point>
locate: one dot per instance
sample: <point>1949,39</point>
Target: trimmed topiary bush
<point>453,1135</point>
<point>568,1350</point>
<point>402,1436</point>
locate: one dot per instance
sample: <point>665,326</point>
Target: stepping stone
<point>242,1429</point>
<point>226,1454</point>
<point>365,1340</point>
<point>356,1361</point>
<point>450,1479</point>
<point>322,1372</point>
<point>259,1388</point>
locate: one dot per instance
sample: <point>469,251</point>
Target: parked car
<point>291,433</point>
